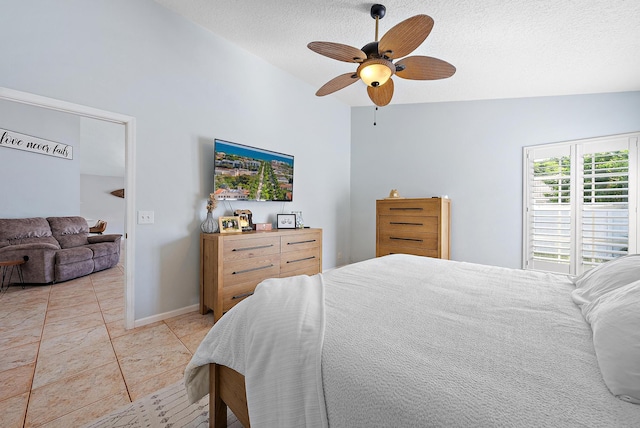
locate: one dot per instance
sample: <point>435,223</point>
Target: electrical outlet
<point>145,217</point>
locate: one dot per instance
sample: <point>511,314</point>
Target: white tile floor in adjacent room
<point>66,359</point>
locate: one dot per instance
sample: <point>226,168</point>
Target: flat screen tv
<point>244,173</point>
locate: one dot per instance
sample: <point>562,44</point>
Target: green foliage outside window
<point>605,177</point>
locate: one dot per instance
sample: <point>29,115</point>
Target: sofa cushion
<point>69,231</point>
<point>73,270</point>
<point>104,249</point>
<point>18,231</point>
<point>106,262</point>
<point>73,255</point>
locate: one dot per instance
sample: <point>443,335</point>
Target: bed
<point>407,341</point>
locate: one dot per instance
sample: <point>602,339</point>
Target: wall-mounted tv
<point>244,173</point>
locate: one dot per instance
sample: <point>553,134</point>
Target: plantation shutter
<point>605,202</point>
<point>549,209</point>
<point>580,203</point>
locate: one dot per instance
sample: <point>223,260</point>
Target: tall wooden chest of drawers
<point>419,226</point>
<point>232,264</point>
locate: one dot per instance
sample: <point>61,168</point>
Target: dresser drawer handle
<point>406,239</point>
<point>406,209</point>
<point>253,248</point>
<point>252,269</point>
<point>301,242</point>
<point>301,260</point>
<point>240,296</point>
<point>406,224</point>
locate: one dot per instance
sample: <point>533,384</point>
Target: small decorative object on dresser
<point>209,225</point>
<point>419,226</point>
<point>299,220</point>
<point>245,216</point>
<point>232,265</point>
<point>393,194</point>
<point>229,224</point>
<point>286,221</point>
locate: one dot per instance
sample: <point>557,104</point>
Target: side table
<point>7,267</point>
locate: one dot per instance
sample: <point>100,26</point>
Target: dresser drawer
<point>426,241</point>
<point>406,225</point>
<point>254,269</point>
<point>234,294</point>
<point>240,277</point>
<point>238,249</point>
<point>409,207</point>
<point>300,241</point>
<point>384,250</point>
<point>298,262</point>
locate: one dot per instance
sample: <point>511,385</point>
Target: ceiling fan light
<point>375,72</point>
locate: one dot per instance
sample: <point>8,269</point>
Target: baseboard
<point>166,315</point>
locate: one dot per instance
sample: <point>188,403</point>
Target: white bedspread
<point>275,340</point>
<point>416,342</point>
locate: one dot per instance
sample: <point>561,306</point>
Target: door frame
<point>129,123</point>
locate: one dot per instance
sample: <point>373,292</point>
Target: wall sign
<point>28,143</point>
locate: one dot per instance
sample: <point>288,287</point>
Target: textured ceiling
<point>501,48</point>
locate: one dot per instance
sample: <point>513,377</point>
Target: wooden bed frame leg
<point>217,407</point>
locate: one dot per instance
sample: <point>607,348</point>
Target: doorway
<point>129,154</point>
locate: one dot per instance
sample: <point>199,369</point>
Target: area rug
<point>166,408</point>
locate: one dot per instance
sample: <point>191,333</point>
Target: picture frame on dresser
<point>229,224</point>
<point>245,217</point>
<point>286,221</point>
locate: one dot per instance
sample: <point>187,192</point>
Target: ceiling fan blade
<point>424,68</point>
<point>337,83</point>
<point>405,37</point>
<point>381,95</point>
<point>338,51</point>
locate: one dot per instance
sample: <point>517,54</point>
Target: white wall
<point>34,184</point>
<point>97,202</point>
<point>185,86</point>
<point>103,148</point>
<point>471,151</point>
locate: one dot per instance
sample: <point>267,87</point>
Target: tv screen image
<point>244,173</point>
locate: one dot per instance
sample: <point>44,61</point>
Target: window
<point>580,201</point>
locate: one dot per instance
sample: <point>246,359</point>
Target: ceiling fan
<point>376,58</point>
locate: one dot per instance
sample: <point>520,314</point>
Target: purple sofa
<point>59,248</point>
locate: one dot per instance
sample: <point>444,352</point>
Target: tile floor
<point>66,359</point>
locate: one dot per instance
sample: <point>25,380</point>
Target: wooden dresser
<point>232,264</point>
<point>419,226</point>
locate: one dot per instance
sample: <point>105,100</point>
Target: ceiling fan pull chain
<point>374,116</point>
